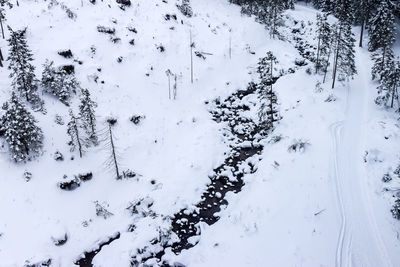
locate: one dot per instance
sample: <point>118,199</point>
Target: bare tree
<point>191,57</point>
<point>112,161</point>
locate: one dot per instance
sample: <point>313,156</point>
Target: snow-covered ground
<point>325,206</point>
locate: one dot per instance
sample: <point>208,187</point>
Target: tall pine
<point>87,114</point>
<point>3,3</point>
<point>324,42</point>
<point>344,56</point>
<point>22,70</point>
<point>382,37</point>
<point>381,27</point>
<point>268,113</point>
<point>74,131</point>
<point>387,90</point>
<point>23,136</point>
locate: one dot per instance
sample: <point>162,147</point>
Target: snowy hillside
<point>202,182</point>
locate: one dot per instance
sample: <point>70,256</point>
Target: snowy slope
<point>322,207</point>
<point>325,207</point>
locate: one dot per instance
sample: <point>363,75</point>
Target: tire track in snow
<point>336,130</point>
<point>359,242</point>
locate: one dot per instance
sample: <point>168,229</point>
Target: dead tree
<point>191,57</point>
<point>175,88</point>
<point>1,59</point>
<point>113,159</point>
<point>230,43</point>
<point>169,73</point>
<point>76,141</point>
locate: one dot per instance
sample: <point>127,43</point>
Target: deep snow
<point>323,207</point>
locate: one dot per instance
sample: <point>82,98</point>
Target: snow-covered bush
<point>386,178</point>
<point>185,8</point>
<point>57,82</point>
<point>101,210</point>
<point>299,146</point>
<point>396,209</point>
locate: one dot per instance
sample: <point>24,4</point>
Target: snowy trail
<point>359,242</point>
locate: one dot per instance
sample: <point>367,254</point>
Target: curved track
<point>359,241</point>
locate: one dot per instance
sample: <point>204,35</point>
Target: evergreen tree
<point>22,70</point>
<point>270,13</point>
<point>73,130</point>
<point>3,3</point>
<point>23,136</point>
<point>324,41</point>
<point>318,3</point>
<point>344,59</point>
<point>185,8</point>
<point>328,6</point>
<point>288,4</point>
<point>383,59</point>
<point>382,37</point>
<point>344,11</point>
<point>58,82</point>
<point>87,115</point>
<point>381,27</point>
<point>268,113</point>
<point>387,90</point>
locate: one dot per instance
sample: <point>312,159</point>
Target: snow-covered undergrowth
<point>288,213</point>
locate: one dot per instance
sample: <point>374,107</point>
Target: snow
<point>322,207</point>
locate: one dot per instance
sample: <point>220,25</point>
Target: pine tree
<point>271,14</point>
<point>383,59</point>
<point>22,71</point>
<point>382,37</point>
<point>23,136</point>
<point>58,82</point>
<point>318,3</point>
<point>268,113</point>
<point>288,4</point>
<point>185,8</point>
<point>387,90</point>
<point>3,3</point>
<point>344,59</point>
<point>324,41</point>
<point>343,10</point>
<point>381,27</point>
<point>87,115</point>
<point>328,6</point>
<point>73,130</point>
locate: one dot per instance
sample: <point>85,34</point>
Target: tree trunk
<point>394,92</point>
<point>336,59</point>
<point>2,29</point>
<point>318,51</point>
<point>327,64</point>
<point>113,153</point>
<point>383,61</point>
<point>169,87</point>
<point>271,107</point>
<point>362,33</point>
<point>175,87</point>
<point>78,138</point>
